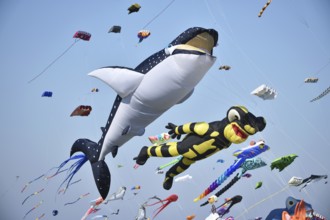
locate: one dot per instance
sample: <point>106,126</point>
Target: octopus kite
<point>168,200</point>
<point>203,140</point>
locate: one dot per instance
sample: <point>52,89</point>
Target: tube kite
<point>242,155</point>
<point>324,93</point>
<point>264,8</point>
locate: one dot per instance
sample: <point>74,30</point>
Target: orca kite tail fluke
<point>100,169</point>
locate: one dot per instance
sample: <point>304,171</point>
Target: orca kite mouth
<point>204,39</point>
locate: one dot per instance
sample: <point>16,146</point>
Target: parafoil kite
<point>203,140</point>
<point>324,93</point>
<point>79,35</point>
<point>159,139</point>
<point>265,92</point>
<point>283,162</point>
<point>82,110</point>
<point>47,94</point>
<point>242,155</point>
<point>311,80</point>
<point>115,29</point>
<point>134,8</point>
<point>249,164</point>
<point>138,103</point>
<point>224,67</point>
<point>143,34</point>
<point>258,185</point>
<point>298,181</point>
<point>264,8</point>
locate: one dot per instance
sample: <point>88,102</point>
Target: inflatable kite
<point>205,139</point>
<point>242,155</point>
<point>168,200</point>
<point>283,162</point>
<point>298,181</point>
<point>179,67</point>
<point>115,29</point>
<point>183,178</point>
<point>290,207</point>
<point>95,90</point>
<point>265,92</point>
<point>55,212</point>
<point>93,208</point>
<point>134,8</point>
<point>117,195</point>
<point>324,93</point>
<point>47,94</point>
<point>82,110</point>
<point>79,35</point>
<point>311,80</point>
<point>142,212</point>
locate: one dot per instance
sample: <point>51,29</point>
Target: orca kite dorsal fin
<point>123,80</point>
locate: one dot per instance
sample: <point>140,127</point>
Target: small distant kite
<point>143,34</point>
<point>136,187</point>
<point>79,35</point>
<point>311,80</point>
<point>134,8</point>
<point>264,8</point>
<point>82,110</point>
<point>298,181</point>
<point>55,212</point>
<point>47,94</point>
<point>283,162</point>
<point>224,67</point>
<point>265,92</point>
<point>105,217</point>
<point>325,92</point>
<point>183,178</point>
<point>258,185</point>
<point>190,217</point>
<point>159,139</point>
<point>115,29</point>
<point>117,195</point>
<point>95,90</point>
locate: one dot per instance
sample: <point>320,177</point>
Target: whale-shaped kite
<point>142,98</point>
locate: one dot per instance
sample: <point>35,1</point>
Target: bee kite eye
<point>233,115</point>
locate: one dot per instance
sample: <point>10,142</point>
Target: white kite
<point>265,92</point>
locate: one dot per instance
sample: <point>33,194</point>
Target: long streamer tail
<point>100,169</point>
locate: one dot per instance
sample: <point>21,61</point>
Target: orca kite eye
<point>233,115</point>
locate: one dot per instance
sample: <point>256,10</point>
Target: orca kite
<point>166,78</point>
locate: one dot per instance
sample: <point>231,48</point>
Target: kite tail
<point>100,169</point>
<point>224,189</point>
<point>73,169</point>
<point>221,179</point>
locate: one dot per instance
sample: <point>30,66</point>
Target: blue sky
<point>289,43</point>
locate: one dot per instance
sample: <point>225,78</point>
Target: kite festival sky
<point>288,43</point>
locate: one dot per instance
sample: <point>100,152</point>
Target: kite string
<point>261,201</point>
<point>145,26</point>
<point>49,65</point>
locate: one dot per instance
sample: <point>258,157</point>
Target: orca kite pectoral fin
<point>100,169</point>
<point>114,151</point>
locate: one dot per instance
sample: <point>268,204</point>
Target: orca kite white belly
<point>162,87</point>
